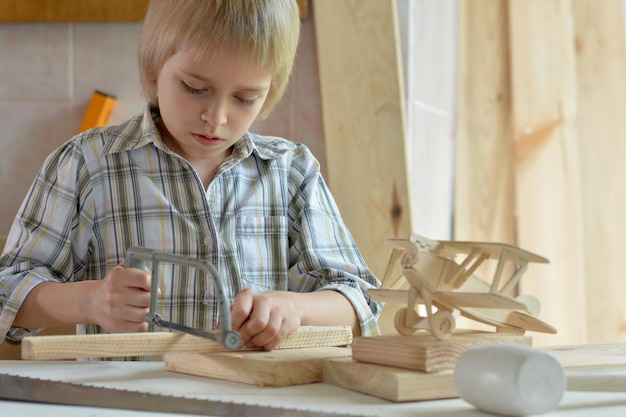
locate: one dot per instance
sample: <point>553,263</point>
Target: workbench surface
<point>152,377</point>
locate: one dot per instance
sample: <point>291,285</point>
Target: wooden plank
<point>362,99</point>
<point>158,343</point>
<point>423,352</point>
<point>72,10</point>
<point>279,368</point>
<point>601,75</point>
<point>393,384</point>
<point>548,203</point>
<point>589,355</point>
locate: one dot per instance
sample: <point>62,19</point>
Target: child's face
<point>207,104</point>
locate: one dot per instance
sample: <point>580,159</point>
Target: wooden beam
<point>279,368</point>
<point>389,383</point>
<point>158,343</point>
<point>363,111</point>
<point>364,120</point>
<point>423,352</point>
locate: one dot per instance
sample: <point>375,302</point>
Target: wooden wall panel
<point>484,187</point>
<point>601,70</point>
<point>549,214</point>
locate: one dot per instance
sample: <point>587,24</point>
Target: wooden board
<point>393,384</point>
<point>140,344</point>
<point>363,110</point>
<point>423,352</point>
<point>589,355</point>
<point>278,368</point>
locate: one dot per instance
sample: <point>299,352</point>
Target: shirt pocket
<point>262,251</point>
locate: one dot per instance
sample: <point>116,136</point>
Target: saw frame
<point>136,257</point>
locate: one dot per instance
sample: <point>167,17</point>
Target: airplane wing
<point>478,300</point>
<point>506,318</point>
<point>389,295</point>
<point>528,322</point>
<point>450,247</point>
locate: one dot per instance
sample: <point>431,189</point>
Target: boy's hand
<point>264,319</point>
<point>122,300</point>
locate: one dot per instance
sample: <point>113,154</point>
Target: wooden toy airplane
<point>441,278</point>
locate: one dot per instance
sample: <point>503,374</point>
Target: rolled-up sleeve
<point>44,241</point>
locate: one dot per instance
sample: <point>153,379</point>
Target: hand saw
<point>136,257</point>
<point>26,389</point>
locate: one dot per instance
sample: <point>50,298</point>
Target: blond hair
<point>265,31</point>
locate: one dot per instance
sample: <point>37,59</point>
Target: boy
<point>186,177</point>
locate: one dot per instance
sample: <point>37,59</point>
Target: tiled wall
<point>49,71</point>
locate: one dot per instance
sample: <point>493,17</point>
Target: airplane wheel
<point>400,323</point>
<point>442,324</point>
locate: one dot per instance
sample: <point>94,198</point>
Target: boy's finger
<point>241,309</point>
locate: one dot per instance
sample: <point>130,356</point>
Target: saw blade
<point>26,389</point>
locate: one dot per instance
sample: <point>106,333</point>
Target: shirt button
<point>208,242</point>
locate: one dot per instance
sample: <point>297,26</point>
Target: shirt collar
<point>137,132</point>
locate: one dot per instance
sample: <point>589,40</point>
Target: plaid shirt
<point>267,222</point>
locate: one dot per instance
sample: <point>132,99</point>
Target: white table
<point>152,377</point>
